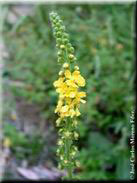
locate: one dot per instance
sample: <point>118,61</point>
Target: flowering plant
<point>68,87</point>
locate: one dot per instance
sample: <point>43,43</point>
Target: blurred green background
<point>102,36</point>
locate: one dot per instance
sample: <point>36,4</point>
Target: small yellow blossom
<point>64,108</point>
<point>67,74</point>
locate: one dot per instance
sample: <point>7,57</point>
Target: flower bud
<point>69,45</point>
<point>73,153</point>
<point>58,121</point>
<point>57,18</point>
<point>61,157</point>
<point>59,53</point>
<point>67,134</point>
<point>65,41</point>
<point>62,46</point>
<point>58,24</point>
<point>71,49</point>
<point>71,56</point>
<point>62,28</point>
<point>77,163</point>
<point>58,34</point>
<point>76,68</point>
<point>60,142</point>
<point>75,123</point>
<point>56,29</point>
<point>61,73</point>
<point>65,65</point>
<point>60,21</point>
<point>58,40</point>
<point>76,135</point>
<point>65,161</point>
<point>57,45</point>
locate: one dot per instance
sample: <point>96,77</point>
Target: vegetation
<point>102,36</point>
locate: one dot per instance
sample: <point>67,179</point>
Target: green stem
<point>68,144</point>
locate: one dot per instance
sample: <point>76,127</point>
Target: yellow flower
<point>71,83</point>
<point>59,106</point>
<point>59,82</point>
<point>69,96</point>
<point>62,88</point>
<point>82,94</point>
<point>64,108</point>
<point>67,74</point>
<point>75,77</point>
<point>72,94</point>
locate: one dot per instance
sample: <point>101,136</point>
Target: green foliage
<point>102,36</point>
<point>21,145</point>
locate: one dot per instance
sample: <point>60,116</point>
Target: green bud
<point>62,46</point>
<point>57,18</point>
<point>71,49</point>
<point>62,28</point>
<point>74,59</point>
<point>59,40</point>
<point>71,56</point>
<point>54,22</point>
<point>53,15</point>
<point>69,45</point>
<point>58,24</point>
<point>56,29</point>
<point>58,34</point>
<point>57,45</point>
<point>60,21</point>
<point>60,53</point>
<point>65,41</point>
